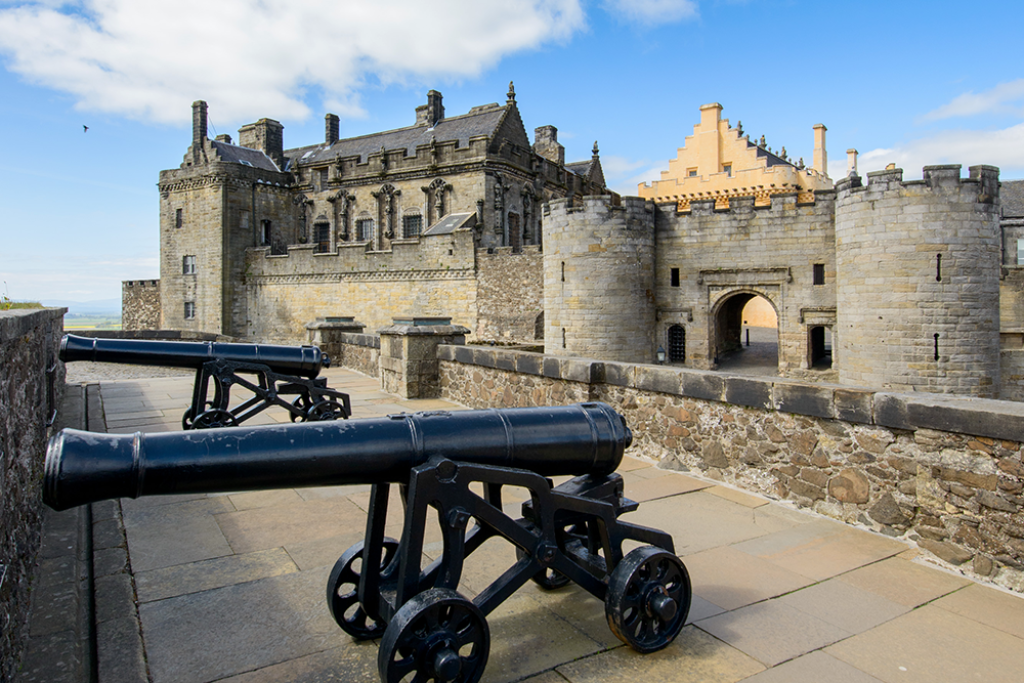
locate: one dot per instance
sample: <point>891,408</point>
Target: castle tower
<point>917,267</point>
<point>599,279</point>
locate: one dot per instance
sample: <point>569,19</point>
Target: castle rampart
<point>918,267</point>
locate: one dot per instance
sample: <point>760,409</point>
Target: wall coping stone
<point>369,340</point>
<point>910,411</point>
<point>18,322</point>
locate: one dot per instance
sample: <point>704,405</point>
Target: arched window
<point>538,326</point>
<point>676,344</point>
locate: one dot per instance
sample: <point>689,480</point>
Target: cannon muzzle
<point>304,361</point>
<point>85,467</point>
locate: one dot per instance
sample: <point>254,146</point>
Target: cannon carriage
<point>456,465</point>
<point>283,376</point>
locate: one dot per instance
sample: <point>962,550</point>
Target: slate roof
<point>1011,197</point>
<point>451,223</point>
<point>479,121</point>
<point>580,168</point>
<point>244,156</point>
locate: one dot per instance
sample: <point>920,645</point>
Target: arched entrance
<point>746,330</point>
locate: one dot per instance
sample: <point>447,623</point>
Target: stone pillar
<point>408,354</point>
<point>326,332</point>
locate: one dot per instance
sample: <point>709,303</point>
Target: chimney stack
<point>851,161</point>
<point>545,143</point>
<point>266,135</point>
<point>433,111</point>
<point>331,129</point>
<point>198,122</point>
<point>820,155</point>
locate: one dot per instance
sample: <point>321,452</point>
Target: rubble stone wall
<point>945,472</point>
<point>29,395</point>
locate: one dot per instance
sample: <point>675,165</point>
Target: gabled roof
<point>580,168</point>
<point>480,121</point>
<point>243,155</point>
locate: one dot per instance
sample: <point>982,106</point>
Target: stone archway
<point>737,342</point>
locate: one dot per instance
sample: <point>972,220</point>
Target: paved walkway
<point>231,587</point>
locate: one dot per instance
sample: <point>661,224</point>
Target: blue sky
<point>909,82</point>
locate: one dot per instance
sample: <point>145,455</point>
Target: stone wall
<point>29,396</point>
<point>140,305</point>
<point>427,276</point>
<point>510,294</point>
<point>945,472</point>
<point>359,352</point>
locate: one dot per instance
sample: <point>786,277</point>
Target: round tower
<point>599,279</point>
<point>917,272</point>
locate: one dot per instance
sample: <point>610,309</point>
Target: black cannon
<point>290,371</point>
<point>456,463</point>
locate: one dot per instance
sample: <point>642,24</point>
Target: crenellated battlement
<point>982,183</point>
<point>604,206</point>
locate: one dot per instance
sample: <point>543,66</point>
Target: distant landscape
<point>100,314</point>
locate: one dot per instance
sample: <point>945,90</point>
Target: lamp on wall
<point>660,353</point>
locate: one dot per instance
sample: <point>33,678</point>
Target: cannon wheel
<point>342,587</point>
<point>326,410</point>
<point>302,405</point>
<point>438,636</point>
<point>648,599</point>
<point>212,419</point>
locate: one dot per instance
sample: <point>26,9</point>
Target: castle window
<point>819,273</point>
<point>321,176</point>
<point>322,237</point>
<point>1020,252</point>
<point>412,225</point>
<point>675,277</point>
<point>727,170</point>
<point>177,218</point>
<point>364,229</point>
<point>264,232</point>
<point>676,344</point>
<point>190,310</point>
<point>188,265</point>
<point>691,173</point>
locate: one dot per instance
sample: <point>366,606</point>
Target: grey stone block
<point>529,364</point>
<point>119,651</point>
<point>552,368</point>
<point>619,374</point>
<point>661,379</point>
<point>982,417</point>
<point>586,371</point>
<point>742,391</point>
<point>463,354</point>
<point>484,357</point>
<point>708,386</point>
<point>446,352</point>
<point>107,534</point>
<point>803,399</point>
<point>105,509</point>
<point>853,405</point>
<point>504,360</point>
<point>890,410</point>
<point>115,597</point>
<point>109,561</point>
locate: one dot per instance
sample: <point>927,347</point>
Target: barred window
<point>412,225</point>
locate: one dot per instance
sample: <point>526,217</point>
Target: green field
<point>85,322</point>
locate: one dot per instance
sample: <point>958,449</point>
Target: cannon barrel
<point>85,467</point>
<point>304,361</point>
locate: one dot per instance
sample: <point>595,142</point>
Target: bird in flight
<point>85,129</point>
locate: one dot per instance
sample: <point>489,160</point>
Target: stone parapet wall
<point>29,396</point>
<point>359,352</point>
<point>140,305</point>
<point>945,472</point>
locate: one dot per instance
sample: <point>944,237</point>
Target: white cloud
<point>1003,148</point>
<point>149,59</point>
<point>653,11</point>
<point>998,100</point>
<point>623,177</point>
